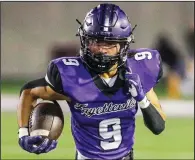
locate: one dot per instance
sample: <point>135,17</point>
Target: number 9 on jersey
<point>114,134</point>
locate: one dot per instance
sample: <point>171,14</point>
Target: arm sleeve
<point>153,119</point>
<point>33,84</point>
<point>53,78</point>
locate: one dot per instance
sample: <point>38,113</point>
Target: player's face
<point>110,48</point>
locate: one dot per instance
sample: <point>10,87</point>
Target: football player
<point>104,87</point>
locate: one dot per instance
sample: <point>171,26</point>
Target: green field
<point>176,142</point>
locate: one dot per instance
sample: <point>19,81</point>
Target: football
<point>46,120</point>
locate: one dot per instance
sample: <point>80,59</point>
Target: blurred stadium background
<point>32,33</point>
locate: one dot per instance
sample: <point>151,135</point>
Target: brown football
<point>46,120</point>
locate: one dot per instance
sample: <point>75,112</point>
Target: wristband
<point>144,103</point>
<point>23,132</point>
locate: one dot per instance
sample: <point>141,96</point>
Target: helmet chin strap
<point>112,68</point>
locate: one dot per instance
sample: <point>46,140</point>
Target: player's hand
<point>29,143</point>
<point>135,86</point>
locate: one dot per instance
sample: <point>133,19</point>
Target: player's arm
<point>48,88</point>
<point>152,97</point>
<point>154,117</point>
<point>32,91</point>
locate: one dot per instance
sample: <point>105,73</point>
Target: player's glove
<point>136,89</point>
<point>29,143</point>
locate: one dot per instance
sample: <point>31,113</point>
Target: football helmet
<point>105,23</point>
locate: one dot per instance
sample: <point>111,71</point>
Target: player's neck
<point>110,74</point>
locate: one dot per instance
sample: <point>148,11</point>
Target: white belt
<point>80,156</point>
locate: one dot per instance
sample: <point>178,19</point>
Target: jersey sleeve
<point>153,72</point>
<point>53,78</point>
<point>148,65</point>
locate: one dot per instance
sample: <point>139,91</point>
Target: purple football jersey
<point>103,126</point>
